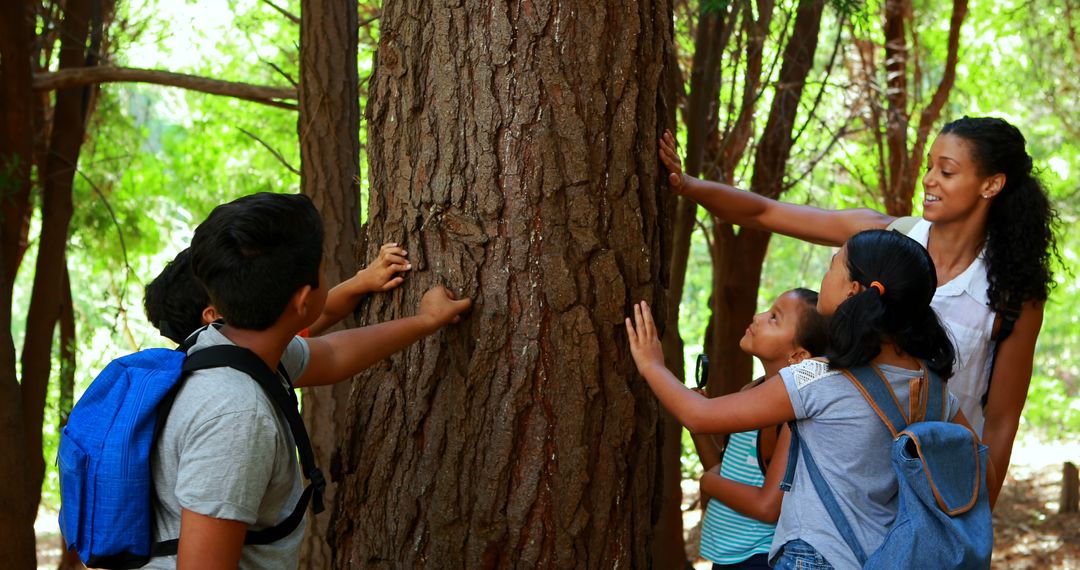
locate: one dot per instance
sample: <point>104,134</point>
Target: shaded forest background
<point>826,103</point>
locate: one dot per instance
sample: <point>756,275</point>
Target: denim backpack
<point>943,519</point>
<point>106,488</point>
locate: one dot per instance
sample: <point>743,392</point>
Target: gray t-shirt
<point>851,446</point>
<point>226,452</point>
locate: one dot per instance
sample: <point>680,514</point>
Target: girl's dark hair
<point>1020,243</point>
<point>901,315</point>
<point>812,332</point>
<point>175,300</point>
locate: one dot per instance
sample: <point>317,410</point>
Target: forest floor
<point>1028,531</point>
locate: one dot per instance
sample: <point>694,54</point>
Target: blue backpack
<point>944,513</point>
<point>106,488</point>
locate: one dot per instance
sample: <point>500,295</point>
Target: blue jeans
<point>756,562</point>
<point>798,555</point>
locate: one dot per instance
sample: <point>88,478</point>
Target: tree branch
<point>293,17</point>
<point>276,154</point>
<point>77,77</point>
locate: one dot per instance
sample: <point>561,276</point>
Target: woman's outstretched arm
<point>750,210</point>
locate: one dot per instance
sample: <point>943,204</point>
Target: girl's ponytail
<point>855,330</point>
<point>899,280</point>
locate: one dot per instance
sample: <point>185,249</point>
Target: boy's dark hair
<point>174,301</point>
<point>901,314</point>
<point>255,252</point>
<point>812,332</point>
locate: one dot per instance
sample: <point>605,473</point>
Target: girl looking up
<point>743,481</point>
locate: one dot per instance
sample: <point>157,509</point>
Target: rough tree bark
<point>513,148</point>
<point>738,258</point>
<point>329,129</point>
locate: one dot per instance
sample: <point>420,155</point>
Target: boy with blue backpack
<point>225,482</point>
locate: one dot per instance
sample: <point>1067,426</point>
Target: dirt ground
<point>1028,531</point>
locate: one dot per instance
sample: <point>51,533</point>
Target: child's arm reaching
<point>760,503</point>
<point>381,275</point>
<point>765,405</point>
<point>342,354</point>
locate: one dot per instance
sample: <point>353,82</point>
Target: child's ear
<point>210,315</point>
<point>299,300</point>
<point>855,289</point>
<point>798,356</point>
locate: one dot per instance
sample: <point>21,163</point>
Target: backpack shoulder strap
<point>903,224</point>
<point>824,492</point>
<point>869,382</point>
<point>1009,315</point>
<point>243,360</point>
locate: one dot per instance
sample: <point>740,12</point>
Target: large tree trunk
<point>329,129</point>
<point>738,257</point>
<point>16,155</point>
<point>513,148</point>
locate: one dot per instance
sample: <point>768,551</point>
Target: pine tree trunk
<point>329,130</point>
<point>513,150</point>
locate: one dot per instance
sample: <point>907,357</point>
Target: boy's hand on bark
<point>644,341</point>
<point>440,307</point>
<point>670,157</point>
<point>383,273</point>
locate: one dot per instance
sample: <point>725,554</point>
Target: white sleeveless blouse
<point>963,307</point>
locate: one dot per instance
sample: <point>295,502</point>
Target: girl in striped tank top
<point>743,493</point>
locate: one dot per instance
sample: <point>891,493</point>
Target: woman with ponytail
<point>987,224</point>
<point>877,292</point>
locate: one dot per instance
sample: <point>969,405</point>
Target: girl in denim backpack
<point>877,292</point>
<point>741,482</point>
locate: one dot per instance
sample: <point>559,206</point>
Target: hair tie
<point>880,288</point>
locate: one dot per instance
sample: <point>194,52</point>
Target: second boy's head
<point>255,253</point>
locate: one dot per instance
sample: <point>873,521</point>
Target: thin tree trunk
<point>69,559</point>
<point>67,135</point>
<point>329,129</point>
<point>713,32</point>
<point>17,511</point>
<point>513,147</point>
<point>904,166</point>
<point>738,266</point>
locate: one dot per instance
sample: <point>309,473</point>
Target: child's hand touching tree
<point>383,274</point>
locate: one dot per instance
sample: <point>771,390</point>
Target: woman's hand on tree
<point>669,156</point>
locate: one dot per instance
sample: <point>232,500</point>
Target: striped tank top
<point>728,537</point>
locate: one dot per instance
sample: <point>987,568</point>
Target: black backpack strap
<point>243,360</point>
<point>1009,315</point>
